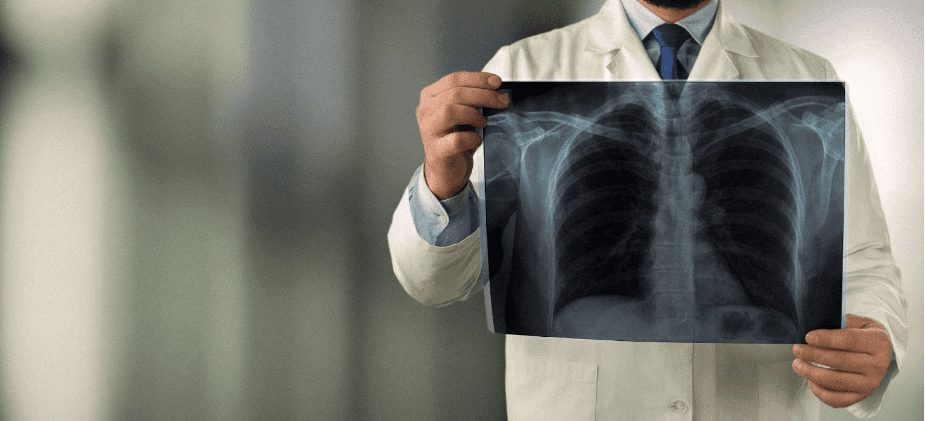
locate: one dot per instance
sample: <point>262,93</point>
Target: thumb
<point>858,322</point>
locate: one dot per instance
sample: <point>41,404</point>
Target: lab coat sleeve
<point>434,275</point>
<point>873,286</point>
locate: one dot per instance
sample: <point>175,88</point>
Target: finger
<point>831,339</point>
<point>855,322</point>
<point>833,380</point>
<point>836,399</point>
<point>447,118</point>
<point>863,323</point>
<point>454,144</point>
<point>482,80</point>
<point>473,97</point>
<point>853,340</point>
<point>851,362</point>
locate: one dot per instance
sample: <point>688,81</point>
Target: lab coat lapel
<point>610,33</point>
<point>632,63</point>
<point>714,62</point>
<point>726,40</point>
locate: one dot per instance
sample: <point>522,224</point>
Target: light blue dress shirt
<point>447,222</point>
<point>442,222</point>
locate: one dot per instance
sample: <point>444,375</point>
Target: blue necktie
<point>670,37</point>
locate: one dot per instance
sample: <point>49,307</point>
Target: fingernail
<point>798,350</point>
<point>503,99</point>
<point>494,80</point>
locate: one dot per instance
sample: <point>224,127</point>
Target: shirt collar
<point>644,20</point>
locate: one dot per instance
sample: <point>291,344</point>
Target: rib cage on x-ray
<point>704,212</point>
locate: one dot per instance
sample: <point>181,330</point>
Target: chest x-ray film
<point>665,211</point>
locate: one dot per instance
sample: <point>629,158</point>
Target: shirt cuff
<point>442,222</point>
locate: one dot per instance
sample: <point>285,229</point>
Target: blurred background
<point>194,199</point>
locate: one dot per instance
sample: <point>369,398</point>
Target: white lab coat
<point>569,379</point>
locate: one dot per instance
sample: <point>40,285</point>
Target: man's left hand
<point>858,355</point>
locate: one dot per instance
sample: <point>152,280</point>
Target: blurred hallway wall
<point>174,71</point>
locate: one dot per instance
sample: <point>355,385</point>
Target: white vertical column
<point>228,299</point>
<point>58,226</point>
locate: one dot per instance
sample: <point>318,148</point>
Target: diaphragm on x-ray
<point>665,211</point>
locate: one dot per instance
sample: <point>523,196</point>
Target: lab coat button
<point>441,219</point>
<point>679,407</point>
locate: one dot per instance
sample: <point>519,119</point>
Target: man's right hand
<point>445,106</point>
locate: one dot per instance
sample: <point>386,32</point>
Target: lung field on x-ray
<point>665,211</point>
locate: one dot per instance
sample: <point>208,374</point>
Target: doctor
<point>434,239</point>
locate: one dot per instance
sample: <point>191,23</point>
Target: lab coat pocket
<point>550,389</point>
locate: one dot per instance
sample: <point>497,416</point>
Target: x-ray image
<point>665,211</point>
